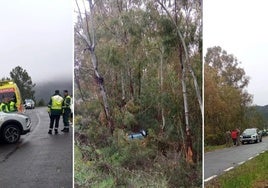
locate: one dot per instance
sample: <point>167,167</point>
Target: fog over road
<point>221,161</point>
<point>39,159</point>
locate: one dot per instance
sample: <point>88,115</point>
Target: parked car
<point>13,125</point>
<point>251,135</point>
<point>29,104</point>
<point>264,132</point>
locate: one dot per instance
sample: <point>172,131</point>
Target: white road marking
<point>228,169</point>
<point>210,178</point>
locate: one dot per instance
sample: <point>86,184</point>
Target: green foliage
<point>41,102</point>
<point>226,101</point>
<point>129,120</point>
<point>132,164</point>
<point>215,139</point>
<point>138,56</point>
<point>24,82</point>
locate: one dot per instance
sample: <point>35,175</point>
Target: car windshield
<point>250,131</point>
<point>6,94</point>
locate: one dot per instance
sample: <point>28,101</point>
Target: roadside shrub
<point>215,139</point>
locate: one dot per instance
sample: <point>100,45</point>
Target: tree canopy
<point>131,58</point>
<point>24,82</point>
<point>227,102</point>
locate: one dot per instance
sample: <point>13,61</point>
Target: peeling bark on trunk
<point>89,38</point>
<point>102,91</point>
<point>188,146</point>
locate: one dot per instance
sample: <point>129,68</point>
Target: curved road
<point>221,161</point>
<point>39,159</point>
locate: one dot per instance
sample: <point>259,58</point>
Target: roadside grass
<point>213,148</point>
<point>253,173</point>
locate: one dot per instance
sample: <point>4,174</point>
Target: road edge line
<point>210,178</point>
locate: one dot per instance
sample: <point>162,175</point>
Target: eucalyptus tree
<point>226,98</point>
<point>185,17</point>
<point>85,31</point>
<point>137,55</point>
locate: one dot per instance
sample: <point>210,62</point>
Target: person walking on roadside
<point>66,111</point>
<point>234,136</point>
<point>55,111</point>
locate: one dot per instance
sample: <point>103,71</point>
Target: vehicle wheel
<point>243,143</point>
<point>11,134</point>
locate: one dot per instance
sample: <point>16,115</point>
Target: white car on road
<point>251,135</point>
<point>13,125</point>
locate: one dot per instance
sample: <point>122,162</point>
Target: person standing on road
<point>234,136</point>
<point>55,111</point>
<point>66,111</point>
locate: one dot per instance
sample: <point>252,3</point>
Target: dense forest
<point>228,105</point>
<point>138,66</point>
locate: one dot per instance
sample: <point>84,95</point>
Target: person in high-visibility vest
<point>66,111</point>
<point>12,106</point>
<point>55,111</point>
<point>5,105</point>
<point>1,105</point>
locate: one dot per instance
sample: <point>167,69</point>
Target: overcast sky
<point>240,27</point>
<point>38,36</point>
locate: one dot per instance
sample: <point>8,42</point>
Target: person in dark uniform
<point>66,111</point>
<point>55,111</point>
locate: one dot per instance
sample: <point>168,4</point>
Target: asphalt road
<point>39,159</point>
<point>221,161</point>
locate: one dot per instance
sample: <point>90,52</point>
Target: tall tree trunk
<point>100,81</point>
<point>123,86</point>
<point>89,39</point>
<point>161,88</point>
<point>183,63</point>
<point>188,146</point>
<point>139,80</point>
<point>77,79</point>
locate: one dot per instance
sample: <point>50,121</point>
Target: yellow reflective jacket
<point>12,106</point>
<point>55,105</point>
<point>4,107</point>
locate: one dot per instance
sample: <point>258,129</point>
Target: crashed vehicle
<point>139,135</point>
<point>13,125</point>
